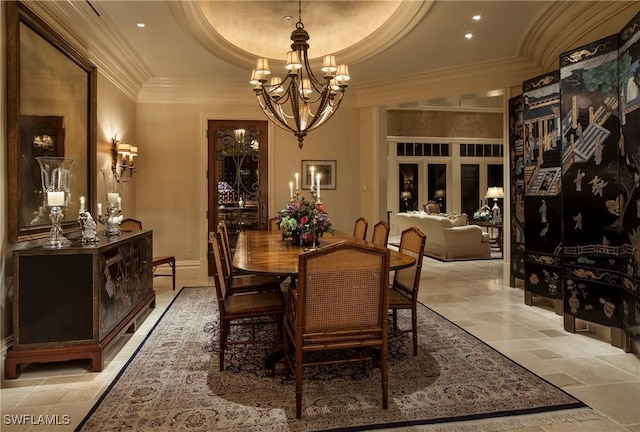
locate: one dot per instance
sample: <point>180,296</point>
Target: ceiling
<point>384,42</point>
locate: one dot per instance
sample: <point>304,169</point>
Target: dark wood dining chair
<point>340,303</point>
<point>223,229</point>
<point>403,293</point>
<point>242,281</point>
<point>360,229</point>
<point>380,235</point>
<point>130,224</point>
<point>241,309</point>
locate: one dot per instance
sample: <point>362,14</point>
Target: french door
<point>237,177</point>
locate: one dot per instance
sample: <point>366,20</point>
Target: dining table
<point>266,252</point>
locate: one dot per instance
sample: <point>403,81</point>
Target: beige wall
<point>444,124</point>
<point>171,182</point>
<point>373,160</point>
<point>116,116</point>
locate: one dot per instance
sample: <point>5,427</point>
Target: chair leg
<point>279,318</point>
<point>223,344</point>
<point>287,353</point>
<point>298,383</point>
<point>365,363</point>
<point>384,373</point>
<point>173,273</point>
<point>414,331</point>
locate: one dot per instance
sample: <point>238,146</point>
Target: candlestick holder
<point>113,217</point>
<point>314,197</point>
<point>55,176</point>
<point>313,225</point>
<point>111,220</point>
<point>88,226</point>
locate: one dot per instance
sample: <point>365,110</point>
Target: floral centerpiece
<point>301,218</point>
<point>483,214</point>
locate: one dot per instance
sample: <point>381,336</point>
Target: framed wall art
<point>327,170</point>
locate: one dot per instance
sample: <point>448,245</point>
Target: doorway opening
<point>238,172</point>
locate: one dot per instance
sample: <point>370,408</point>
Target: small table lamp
<point>439,195</point>
<point>406,196</point>
<point>495,193</point>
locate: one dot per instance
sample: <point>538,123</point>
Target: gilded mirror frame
<point>80,129</point>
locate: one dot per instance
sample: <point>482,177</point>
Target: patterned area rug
<point>455,383</point>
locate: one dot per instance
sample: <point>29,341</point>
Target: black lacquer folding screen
<point>580,160</point>
<point>542,183</point>
<point>516,192</point>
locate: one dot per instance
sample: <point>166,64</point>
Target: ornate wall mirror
<point>51,112</point>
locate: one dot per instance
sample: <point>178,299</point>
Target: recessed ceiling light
<point>477,17</point>
<point>468,35</point>
<point>287,17</point>
<point>141,24</point>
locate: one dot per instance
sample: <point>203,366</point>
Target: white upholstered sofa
<point>448,237</point>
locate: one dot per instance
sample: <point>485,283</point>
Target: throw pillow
<point>431,208</point>
<point>461,220</point>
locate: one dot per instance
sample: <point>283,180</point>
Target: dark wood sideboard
<point>74,302</point>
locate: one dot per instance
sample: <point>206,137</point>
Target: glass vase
<point>55,174</point>
<point>112,186</point>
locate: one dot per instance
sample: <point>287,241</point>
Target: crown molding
<point>553,30</point>
<point>408,14</point>
<point>196,91</point>
<point>96,38</point>
<point>445,108</point>
<point>403,20</point>
<point>471,78</point>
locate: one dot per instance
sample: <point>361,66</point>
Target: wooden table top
<point>264,252</point>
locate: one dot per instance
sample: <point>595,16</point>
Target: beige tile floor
<point>472,294</point>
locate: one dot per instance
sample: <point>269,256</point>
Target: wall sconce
<point>122,160</point>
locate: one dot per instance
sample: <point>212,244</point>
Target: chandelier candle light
<point>300,103</point>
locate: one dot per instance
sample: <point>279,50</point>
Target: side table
<point>490,226</point>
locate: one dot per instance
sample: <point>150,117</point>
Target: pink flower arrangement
<point>297,219</point>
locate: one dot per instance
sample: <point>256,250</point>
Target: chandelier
<point>300,103</point>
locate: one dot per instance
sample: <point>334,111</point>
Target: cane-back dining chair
<point>340,303</point>
<point>242,309</point>
<point>242,281</point>
<point>129,224</point>
<point>380,235</point>
<point>403,293</point>
<point>360,229</point>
